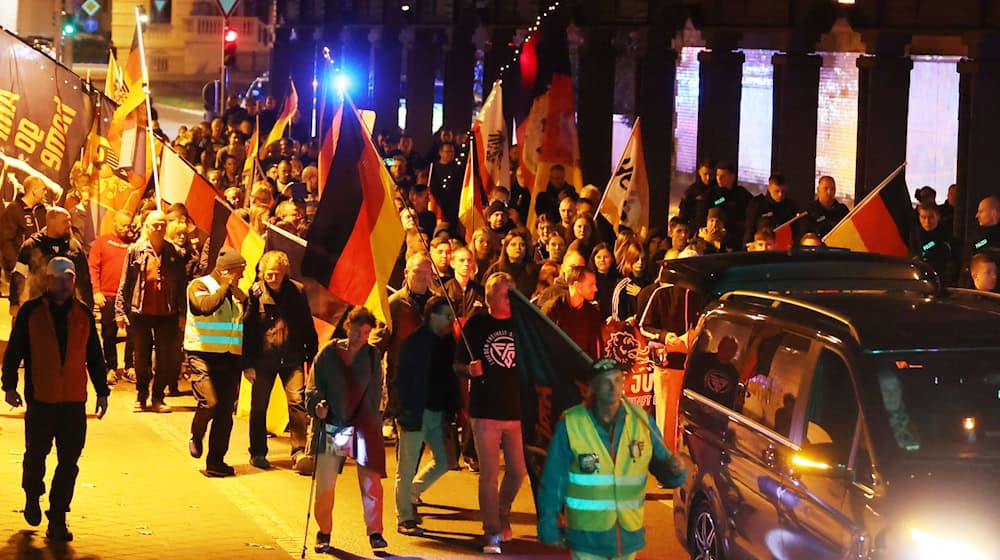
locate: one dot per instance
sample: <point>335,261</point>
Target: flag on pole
<point>784,236</point>
<point>878,224</point>
<point>626,198</point>
<point>250,164</point>
<point>356,234</point>
<point>288,111</point>
<point>492,144</point>
<point>548,134</point>
<point>472,199</point>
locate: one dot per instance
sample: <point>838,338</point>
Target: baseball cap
<point>604,366</point>
<point>61,266</point>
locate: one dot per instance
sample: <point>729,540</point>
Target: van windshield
<point>942,404</point>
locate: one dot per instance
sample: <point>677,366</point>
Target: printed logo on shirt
<point>499,349</point>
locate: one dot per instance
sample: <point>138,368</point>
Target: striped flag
<point>210,213</point>
<point>472,199</point>
<point>626,198</point>
<point>250,164</point>
<point>878,224</point>
<point>548,134</point>
<point>288,111</point>
<point>356,235</point>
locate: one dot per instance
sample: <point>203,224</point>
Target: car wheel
<point>704,535</point>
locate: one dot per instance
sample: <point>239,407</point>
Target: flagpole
<point>149,111</point>
<point>885,182</point>
<point>797,217</point>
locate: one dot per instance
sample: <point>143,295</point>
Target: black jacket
<point>28,280</point>
<point>693,206</point>
<point>425,373</point>
<point>938,249</point>
<point>733,203</point>
<point>763,211</point>
<point>278,329</point>
<point>822,219</point>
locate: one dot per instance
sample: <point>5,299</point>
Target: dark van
<point>842,425</point>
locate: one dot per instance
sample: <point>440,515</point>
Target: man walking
<point>106,260</point>
<point>151,303</point>
<point>278,339</point>
<point>596,470</point>
<point>20,219</point>
<point>28,280</point>
<point>56,338</point>
<point>213,340</point>
<point>495,408</point>
<point>426,386</point>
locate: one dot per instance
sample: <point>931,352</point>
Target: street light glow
<point>341,82</point>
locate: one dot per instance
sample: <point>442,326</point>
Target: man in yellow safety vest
<point>596,470</point>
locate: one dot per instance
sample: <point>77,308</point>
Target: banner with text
<point>46,111</point>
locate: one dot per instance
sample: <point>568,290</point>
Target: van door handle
<point>768,455</point>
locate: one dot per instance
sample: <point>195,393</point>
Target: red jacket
<point>106,260</point>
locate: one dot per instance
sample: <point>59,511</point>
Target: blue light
<point>341,82</point>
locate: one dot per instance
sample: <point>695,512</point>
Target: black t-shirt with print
<point>497,394</point>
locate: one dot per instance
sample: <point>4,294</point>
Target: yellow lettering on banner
<point>28,136</point>
<point>8,106</point>
<point>55,140</point>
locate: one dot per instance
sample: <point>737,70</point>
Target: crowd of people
<point>415,382</point>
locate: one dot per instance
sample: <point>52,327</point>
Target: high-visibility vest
<point>219,333</point>
<point>607,490</point>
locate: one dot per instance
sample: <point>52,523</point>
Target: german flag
<point>878,224</point>
<point>472,200</point>
<point>210,213</point>
<point>355,237</point>
<point>288,111</point>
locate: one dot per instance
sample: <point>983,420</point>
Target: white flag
<point>492,141</point>
<point>626,198</point>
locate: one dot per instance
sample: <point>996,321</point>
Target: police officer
<point>213,340</point>
<point>596,469</point>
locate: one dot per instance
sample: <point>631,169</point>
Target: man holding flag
<point>596,471</point>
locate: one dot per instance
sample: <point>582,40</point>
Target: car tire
<point>704,534</point>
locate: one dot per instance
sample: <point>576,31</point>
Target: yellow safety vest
<point>219,333</point>
<point>607,490</point>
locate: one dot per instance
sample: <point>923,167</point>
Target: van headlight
<point>926,546</point>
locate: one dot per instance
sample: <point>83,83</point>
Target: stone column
<point>793,133</point>
<point>719,92</point>
<point>421,66</point>
<point>883,109</point>
<point>656,85</point>
<point>388,66</point>
<point>459,72</point>
<point>978,121</point>
<point>596,98</point>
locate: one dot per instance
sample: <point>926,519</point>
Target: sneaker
<point>472,466</point>
<point>112,377</point>
<point>507,534</point>
<point>304,464</point>
<point>58,530</point>
<point>139,406</point>
<point>492,545</point>
<point>221,470</point>
<point>129,375</point>
<point>376,540</point>
<point>410,528</point>
<point>322,543</point>
<point>161,407</point>
<point>32,511</point>
<point>260,462</point>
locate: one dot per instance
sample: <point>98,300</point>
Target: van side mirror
<point>802,463</point>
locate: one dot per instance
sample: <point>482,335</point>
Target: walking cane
<point>317,430</point>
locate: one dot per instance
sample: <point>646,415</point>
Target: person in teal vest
<point>213,341</point>
<point>596,471</point>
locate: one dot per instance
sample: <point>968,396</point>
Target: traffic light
<point>68,26</point>
<point>229,38</point>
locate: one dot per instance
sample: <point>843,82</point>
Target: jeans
<point>492,436</point>
<point>294,382</point>
<point>66,423</point>
<point>410,484</point>
<point>109,337</point>
<point>215,382</point>
<point>163,332</point>
<point>588,556</point>
<point>327,469</point>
